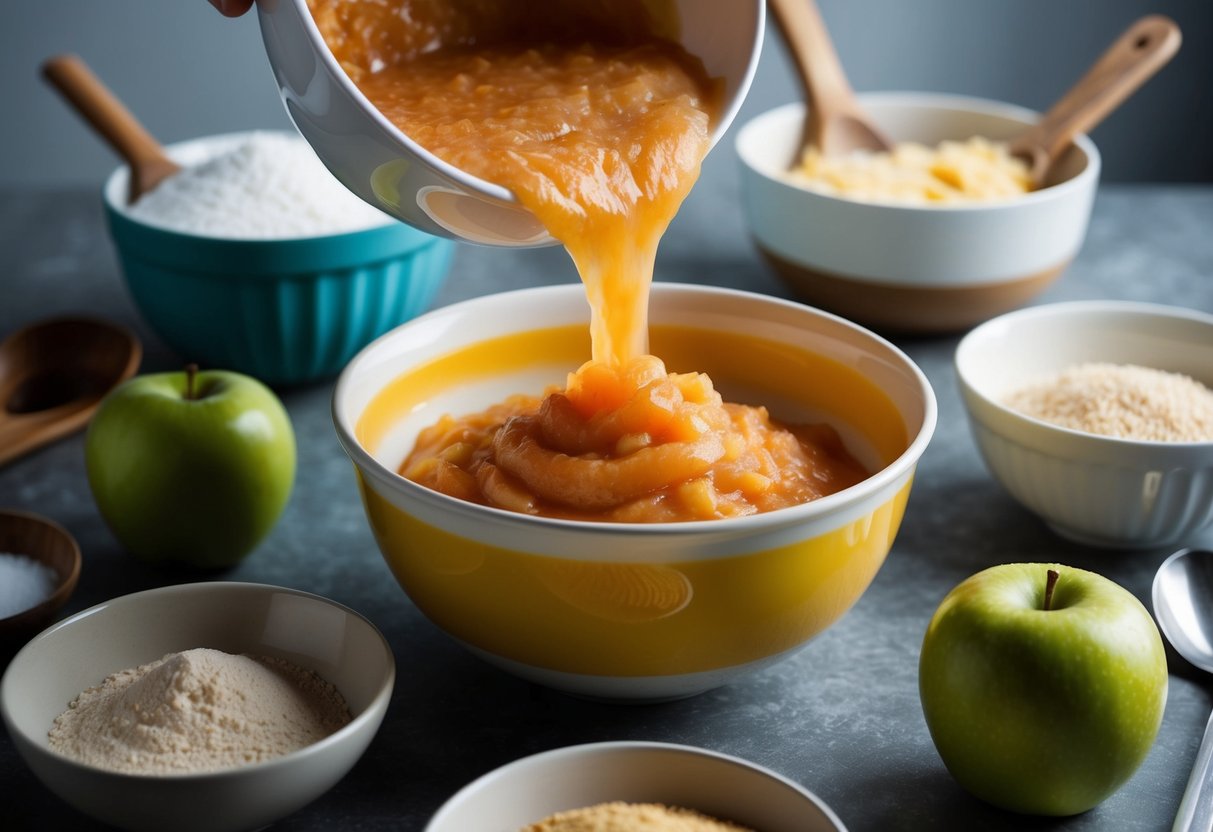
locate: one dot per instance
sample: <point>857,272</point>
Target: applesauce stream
<point>597,120</point>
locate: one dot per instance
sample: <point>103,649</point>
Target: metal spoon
<point>1183,605</point>
<point>834,123</point>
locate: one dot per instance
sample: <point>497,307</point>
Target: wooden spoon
<point>53,376</point>
<point>1143,49</point>
<point>835,123</point>
<point>97,105</point>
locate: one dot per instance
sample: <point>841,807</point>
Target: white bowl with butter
<point>914,266</point>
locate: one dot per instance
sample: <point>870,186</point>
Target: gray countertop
<point>841,717</point>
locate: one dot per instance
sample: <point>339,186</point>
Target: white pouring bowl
<point>377,161</point>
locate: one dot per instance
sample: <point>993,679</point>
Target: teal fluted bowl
<point>286,311</point>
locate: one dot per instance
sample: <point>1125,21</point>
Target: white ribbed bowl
<point>1096,490</point>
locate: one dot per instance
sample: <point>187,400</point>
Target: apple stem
<point>1050,585</point>
<point>191,373</point>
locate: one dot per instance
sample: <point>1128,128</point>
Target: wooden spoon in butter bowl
<point>148,162</point>
<point>1131,60</point>
<point>834,122</point>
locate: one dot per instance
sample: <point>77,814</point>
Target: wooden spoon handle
<point>825,82</point>
<point>113,121</point>
<point>93,100</point>
<point>21,434</point>
<point>1143,49</point>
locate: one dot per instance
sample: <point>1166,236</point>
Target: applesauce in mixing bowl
<point>631,444</point>
<point>598,121</point>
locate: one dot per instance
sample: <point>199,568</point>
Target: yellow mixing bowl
<point>635,611</point>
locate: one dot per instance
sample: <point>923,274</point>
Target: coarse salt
<point>268,186</point>
<point>1121,400</point>
<point>24,583</point>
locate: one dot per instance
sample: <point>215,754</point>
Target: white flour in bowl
<point>268,186</point>
<point>198,710</point>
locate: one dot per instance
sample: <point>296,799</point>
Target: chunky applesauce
<point>630,444</point>
<point>597,120</point>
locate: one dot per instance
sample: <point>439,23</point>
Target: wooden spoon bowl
<point>1132,59</point>
<point>24,533</point>
<point>53,375</point>
<point>835,123</point>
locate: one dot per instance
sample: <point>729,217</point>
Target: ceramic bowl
<point>727,788</point>
<point>1097,490</point>
<point>634,611</point>
<point>287,311</point>
<point>310,631</point>
<point>914,268</point>
<point>388,169</point>
<point>48,543</point>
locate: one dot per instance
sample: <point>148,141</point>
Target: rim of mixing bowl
<point>902,465</point>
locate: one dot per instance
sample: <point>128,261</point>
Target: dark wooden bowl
<point>24,533</point>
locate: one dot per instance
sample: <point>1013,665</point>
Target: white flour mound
<point>198,710</point>
<point>270,186</point>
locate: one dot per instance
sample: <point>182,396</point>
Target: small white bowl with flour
<point>255,258</point>
<point>306,634</point>
<point>1098,417</point>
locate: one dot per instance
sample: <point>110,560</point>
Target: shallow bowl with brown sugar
<point>719,786</point>
<point>1103,491</point>
<point>914,268</point>
<point>640,611</point>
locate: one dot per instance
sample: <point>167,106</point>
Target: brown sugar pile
<point>1121,400</point>
<point>198,710</point>
<point>631,817</point>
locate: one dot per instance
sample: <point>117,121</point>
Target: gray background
<point>186,72</point>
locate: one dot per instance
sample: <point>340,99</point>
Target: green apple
<point>1043,686</point>
<point>191,467</point>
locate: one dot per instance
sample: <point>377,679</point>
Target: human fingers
<point>232,8</point>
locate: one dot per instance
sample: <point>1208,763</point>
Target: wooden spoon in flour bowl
<point>149,164</point>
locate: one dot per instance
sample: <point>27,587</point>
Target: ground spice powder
<point>198,710</point>
<point>1121,400</point>
<point>631,817</point>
